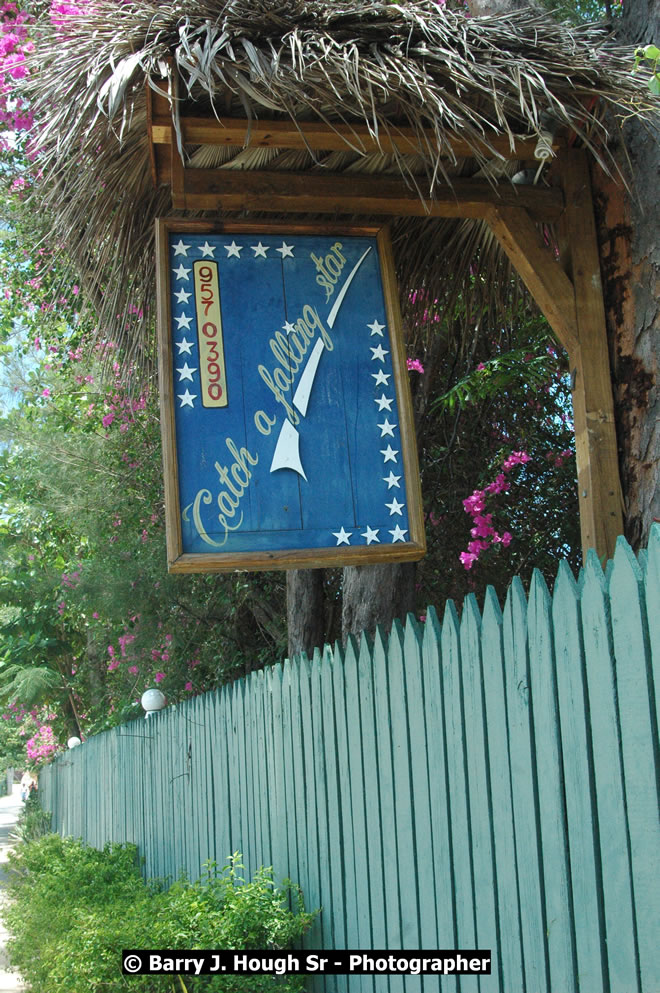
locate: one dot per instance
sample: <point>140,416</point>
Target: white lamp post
<point>73,742</point>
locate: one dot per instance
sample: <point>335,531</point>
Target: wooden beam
<point>599,485</point>
<point>318,136</point>
<point>312,192</point>
<point>539,270</point>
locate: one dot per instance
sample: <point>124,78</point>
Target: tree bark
<point>376,594</point>
<point>305,611</point>
<point>629,237</point>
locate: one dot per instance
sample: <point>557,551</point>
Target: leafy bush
<point>75,908</point>
<point>33,822</point>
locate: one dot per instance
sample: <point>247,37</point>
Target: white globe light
<point>153,700</point>
<point>73,742</point>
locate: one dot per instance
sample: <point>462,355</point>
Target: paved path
<point>10,807</point>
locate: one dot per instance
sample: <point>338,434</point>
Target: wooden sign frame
<point>225,417</point>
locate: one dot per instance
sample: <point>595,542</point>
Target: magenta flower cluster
<point>43,744</point>
<point>414,365</point>
<point>483,531</point>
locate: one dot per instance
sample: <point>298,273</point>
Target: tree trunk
<point>376,594</point>
<point>305,612</point>
<point>629,239</point>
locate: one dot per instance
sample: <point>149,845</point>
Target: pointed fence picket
<point>488,780</point>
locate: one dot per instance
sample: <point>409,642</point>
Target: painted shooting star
<point>287,449</point>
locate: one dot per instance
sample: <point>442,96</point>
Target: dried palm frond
<point>363,62</point>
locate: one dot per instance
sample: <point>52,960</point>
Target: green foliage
<point>581,11</point>
<point>516,368</point>
<point>12,743</point>
<point>74,909</point>
<point>478,401</point>
<point>649,58</point>
<point>89,615</point>
<point>33,821</point>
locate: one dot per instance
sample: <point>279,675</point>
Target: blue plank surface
<point>552,815</point>
<point>508,949</point>
<point>525,813</point>
<point>578,783</point>
<point>639,749</point>
<point>307,452</point>
<point>614,845</point>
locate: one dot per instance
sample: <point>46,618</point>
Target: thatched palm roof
<point>388,65</point>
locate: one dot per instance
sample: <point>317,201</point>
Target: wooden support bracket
<point>539,270</point>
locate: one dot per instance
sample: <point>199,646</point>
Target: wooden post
<point>599,486</point>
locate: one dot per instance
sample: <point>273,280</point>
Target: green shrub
<point>33,822</point>
<point>75,908</point>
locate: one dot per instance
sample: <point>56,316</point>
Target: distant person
<point>28,783</point>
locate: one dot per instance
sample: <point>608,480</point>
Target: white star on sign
<point>389,453</point>
<point>183,322</point>
<point>392,480</point>
<point>386,428</point>
<point>379,353</point>
<point>286,250</point>
<point>384,403</point>
<point>395,507</point>
<point>234,250</point>
<point>187,398</point>
<point>342,536</point>
<point>181,272</point>
<point>184,346</point>
<point>399,534</point>
<point>182,296</point>
<point>185,372</point>
<point>371,534</point>
<point>180,248</point>
<point>260,250</point>
<point>288,327</point>
<point>208,251</point>
<point>382,378</point>
<point>376,328</point>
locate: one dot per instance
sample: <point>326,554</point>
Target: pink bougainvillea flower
<point>159,677</point>
<point>414,365</point>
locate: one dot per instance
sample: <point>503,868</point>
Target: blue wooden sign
<point>287,427</point>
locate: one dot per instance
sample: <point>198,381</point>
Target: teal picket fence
<point>488,780</point>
